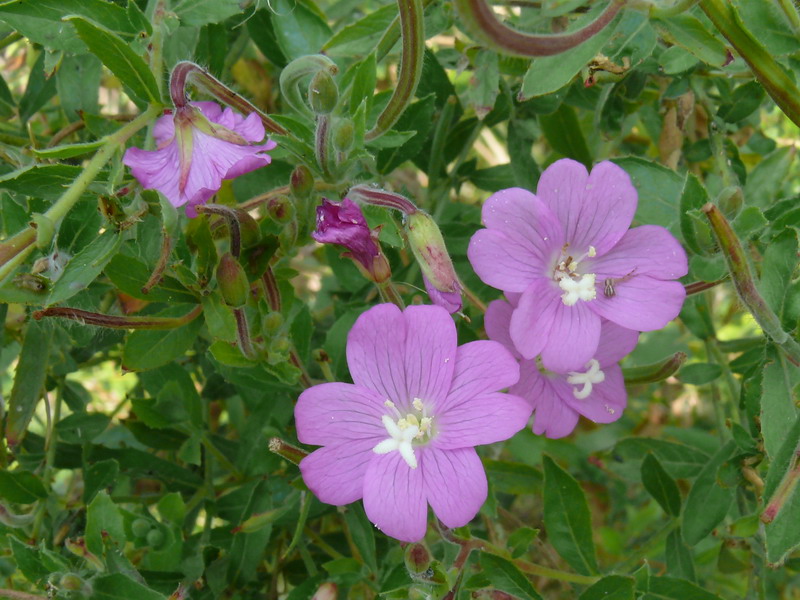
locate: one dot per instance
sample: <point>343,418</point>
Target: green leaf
<point>130,274</point>
<point>301,30</point>
<point>744,100</point>
<point>262,32</point>
<point>671,588</point>
<point>68,150</point>
<point>680,561</point>
<point>40,181</point>
<point>362,32</point>
<point>679,460</point>
<point>363,86</point>
<point>659,192</point>
<point>219,319</point>
<point>551,73</point>
<point>567,518</point>
<point>247,548</point>
<point>84,267</point>
<point>689,33</point>
<point>40,88</point>
<point>564,134</point>
<point>661,486</point>
<point>362,533</point>
<point>120,58</point>
<point>778,408</point>
<point>98,476</point>
<point>78,81</point>
<point>196,13</point>
<point>118,586</point>
<point>28,560</point>
<point>103,518</point>
<point>707,502</point>
<point>504,576</point>
<point>512,478</point>
<point>700,373</point>
<point>696,233</point>
<point>766,181</point>
<point>22,487</point>
<point>417,117</point>
<point>483,85</point>
<point>612,587</point>
<point>28,380</point>
<point>783,533</point>
<point>150,348</point>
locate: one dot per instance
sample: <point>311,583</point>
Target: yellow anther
<point>592,251</point>
<point>417,403</point>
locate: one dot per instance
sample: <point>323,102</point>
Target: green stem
<point>117,322</point>
<point>282,448</point>
<point>438,143</point>
<point>392,35</point>
<point>243,334</point>
<point>389,294</point>
<point>481,21</point>
<point>784,490</point>
<point>678,8</point>
<point>790,10</point>
<point>713,349</point>
<point>15,250</point>
<point>161,265</point>
<point>412,29</point>
<point>10,39</point>
<point>745,284</point>
<point>769,73</point>
<point>322,145</point>
<point>221,458</point>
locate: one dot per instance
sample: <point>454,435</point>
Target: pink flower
<point>198,147</point>
<point>597,391</point>
<point>450,301</point>
<point>343,223</point>
<point>402,435</point>
<point>570,254</point>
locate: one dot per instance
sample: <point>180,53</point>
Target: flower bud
<point>323,94</point>
<point>70,581</point>
<point>248,228</point>
<point>417,558</point>
<point>141,527</point>
<point>78,548</point>
<point>343,136</point>
<point>232,281</point>
<point>301,182</point>
<point>272,323</point>
<point>259,521</point>
<point>430,251</point>
<point>155,538</point>
<point>730,201</point>
<point>281,209</point>
<point>327,591</point>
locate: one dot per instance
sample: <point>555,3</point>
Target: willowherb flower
<point>199,146</point>
<point>597,391</point>
<point>569,253</point>
<point>343,223</point>
<point>450,301</point>
<point>402,435</point>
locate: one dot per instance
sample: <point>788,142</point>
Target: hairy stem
<point>117,322</point>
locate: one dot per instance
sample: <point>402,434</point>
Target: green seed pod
<point>141,527</point>
<point>301,182</point>
<point>417,558</point>
<point>323,94</point>
<point>156,538</point>
<point>232,281</point>
<point>343,135</point>
<point>281,209</point>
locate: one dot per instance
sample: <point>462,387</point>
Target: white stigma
<point>405,431</point>
<point>576,286</point>
<point>592,376</point>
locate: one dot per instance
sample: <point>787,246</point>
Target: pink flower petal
<point>430,352</point>
<point>497,323</point>
<point>533,318</point>
<point>211,110</point>
<point>616,342</point>
<point>251,128</point>
<point>157,170</point>
<point>455,484</point>
<point>164,129</point>
<point>573,338</point>
<point>485,419</point>
<point>394,497</point>
<point>642,303</point>
<point>336,473</point>
<point>502,262</point>
<point>480,367</point>
<point>450,301</point>
<point>552,417</point>
<point>330,413</point>
<point>607,400</point>
<point>646,250</point>
<point>595,209</point>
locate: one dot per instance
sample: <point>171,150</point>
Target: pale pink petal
<point>484,419</point>
<point>573,338</point>
<point>251,128</point>
<point>502,262</point>
<point>394,497</point>
<point>164,129</point>
<point>330,413</point>
<point>157,170</point>
<point>211,110</point>
<point>595,209</point>
<point>552,417</point>
<point>646,250</point>
<point>497,323</point>
<point>641,303</point>
<point>480,367</point>
<point>450,301</point>
<point>336,473</point>
<point>533,318</point>
<point>455,484</point>
<point>615,343</point>
<point>375,352</point>
<point>430,353</point>
<point>513,298</point>
<point>607,400</point>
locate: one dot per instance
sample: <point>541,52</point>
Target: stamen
<point>592,252</point>
<point>592,376</point>
<point>417,403</point>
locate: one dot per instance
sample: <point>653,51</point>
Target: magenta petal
<point>646,250</point>
<point>480,367</point>
<point>450,301</point>
<point>164,129</point>
<point>394,497</point>
<point>616,342</point>
<point>211,110</point>
<point>533,318</point>
<point>330,413</point>
<point>156,170</point>
<point>251,128</point>
<point>505,263</point>
<point>455,484</point>
<point>607,400</point>
<point>375,352</point>
<point>336,473</point>
<point>573,338</point>
<point>430,352</point>
<point>484,419</point>
<point>497,323</point>
<point>595,209</point>
<point>642,303</point>
<point>552,417</point>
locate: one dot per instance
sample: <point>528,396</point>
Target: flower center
<point>576,286</point>
<point>592,375</point>
<point>406,431</point>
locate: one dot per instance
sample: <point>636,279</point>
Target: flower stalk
<point>118,322</point>
<point>480,20</point>
<point>370,195</point>
<point>286,450</point>
<point>412,31</point>
<point>745,284</point>
<point>784,491</point>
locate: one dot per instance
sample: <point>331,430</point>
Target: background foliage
<point>135,462</point>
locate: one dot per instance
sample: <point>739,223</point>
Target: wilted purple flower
<point>402,435</point>
<point>343,223</point>
<point>570,254</point>
<point>199,146</point>
<point>450,301</point>
<point>597,391</point>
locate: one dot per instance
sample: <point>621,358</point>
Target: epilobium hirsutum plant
<point>511,311</point>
